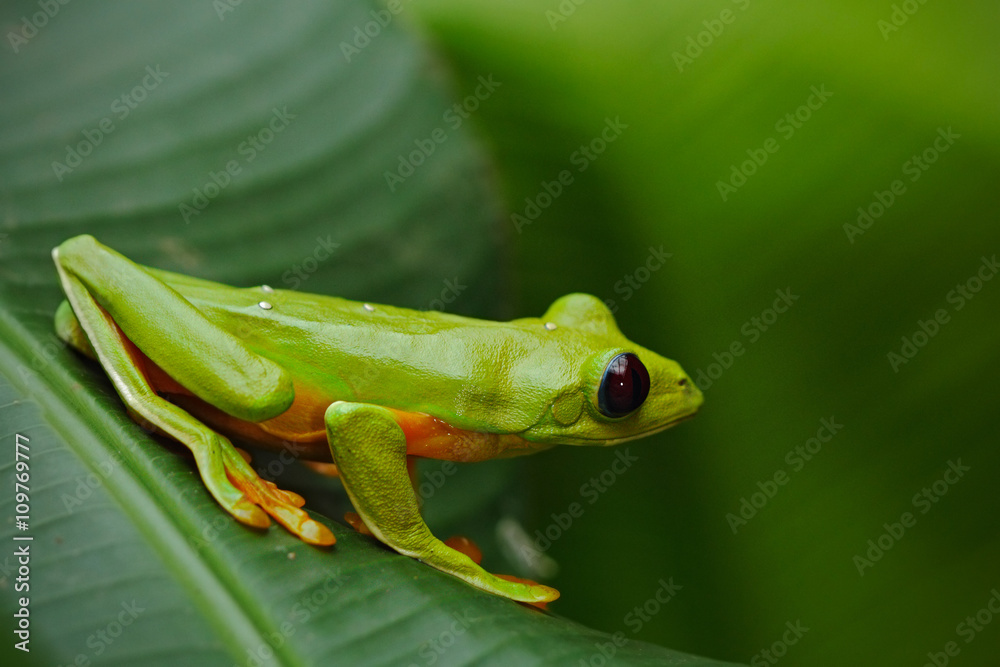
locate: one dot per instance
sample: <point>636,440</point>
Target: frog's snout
<point>691,392</point>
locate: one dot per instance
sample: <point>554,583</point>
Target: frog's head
<point>613,390</point>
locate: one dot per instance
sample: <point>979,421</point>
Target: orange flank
<point>302,429</point>
<point>427,436</point>
<point>433,438</point>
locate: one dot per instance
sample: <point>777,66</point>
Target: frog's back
<point>475,374</point>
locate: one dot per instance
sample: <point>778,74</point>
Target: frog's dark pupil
<point>624,386</point>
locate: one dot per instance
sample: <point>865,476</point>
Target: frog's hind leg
<point>354,519</point>
<point>91,275</point>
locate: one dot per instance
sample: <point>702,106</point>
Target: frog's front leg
<point>369,448</point>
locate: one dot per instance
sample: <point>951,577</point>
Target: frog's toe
<point>290,497</point>
<point>544,594</point>
<point>316,533</point>
<point>283,506</point>
<point>301,524</point>
<point>248,513</point>
<point>540,594</point>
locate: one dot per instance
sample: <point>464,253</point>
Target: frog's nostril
<point>682,382</point>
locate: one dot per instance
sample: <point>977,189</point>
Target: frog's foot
<point>543,604</point>
<point>471,549</point>
<point>282,505</point>
<point>250,499</point>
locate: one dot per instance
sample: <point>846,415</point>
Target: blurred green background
<point>693,91</point>
<point>565,68</point>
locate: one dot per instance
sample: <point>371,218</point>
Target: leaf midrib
<point>224,602</point>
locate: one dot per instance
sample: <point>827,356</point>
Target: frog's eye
<point>624,386</point>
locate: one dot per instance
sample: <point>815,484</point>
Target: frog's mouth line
<point>634,436</point>
<point>654,431</point>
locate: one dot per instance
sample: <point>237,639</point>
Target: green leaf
<point>894,95</point>
<point>240,143</point>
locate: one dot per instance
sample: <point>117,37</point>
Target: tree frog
<point>366,387</point>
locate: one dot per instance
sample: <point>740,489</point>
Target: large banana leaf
<point>897,91</point>
<point>245,143</point>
